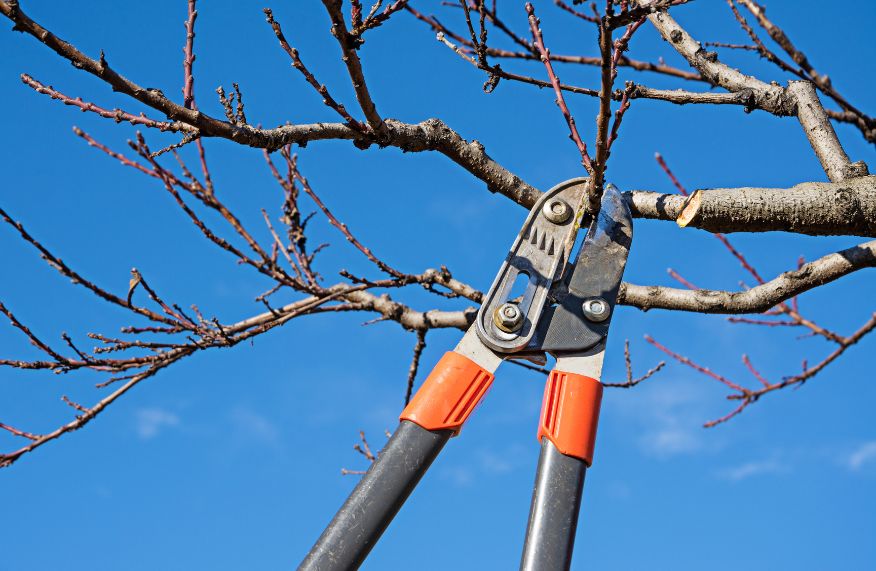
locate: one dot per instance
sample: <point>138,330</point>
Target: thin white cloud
<point>668,418</point>
<point>864,454</point>
<point>460,476</point>
<point>495,463</point>
<point>255,426</point>
<point>151,421</point>
<point>672,437</point>
<point>749,469</point>
<point>619,490</point>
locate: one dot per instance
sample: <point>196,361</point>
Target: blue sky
<point>232,459</point>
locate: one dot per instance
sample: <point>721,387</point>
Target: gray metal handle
<point>376,499</point>
<point>553,515</point>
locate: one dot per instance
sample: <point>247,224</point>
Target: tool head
<point>512,308</point>
<point>565,307</point>
<point>584,300</point>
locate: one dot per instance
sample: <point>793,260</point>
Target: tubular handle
<point>448,396</point>
<point>553,514</point>
<point>570,414</point>
<point>376,499</point>
<point>567,433</point>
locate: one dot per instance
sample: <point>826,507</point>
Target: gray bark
<point>818,128</point>
<point>765,96</point>
<point>798,99</point>
<point>756,299</point>
<point>814,208</point>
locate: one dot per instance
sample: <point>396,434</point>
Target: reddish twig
<point>696,367</point>
<point>290,160</point>
<point>188,89</point>
<point>754,371</point>
<point>676,276</point>
<point>116,115</point>
<point>576,13</point>
<point>530,53</point>
<point>349,44</point>
<point>498,72</point>
<point>555,82</point>
<point>17,432</point>
<point>308,76</point>
<point>749,396</point>
<point>631,382</point>
<point>659,158</point>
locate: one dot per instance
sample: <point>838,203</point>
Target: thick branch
<point>864,122</point>
<point>683,97</point>
<point>798,99</point>
<point>757,299</point>
<point>814,208</point>
<point>817,126</point>
<point>366,301</point>
<point>768,97</point>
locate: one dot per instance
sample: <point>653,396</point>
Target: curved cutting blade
<point>596,273</point>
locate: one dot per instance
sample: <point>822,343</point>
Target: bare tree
<point>163,332</point>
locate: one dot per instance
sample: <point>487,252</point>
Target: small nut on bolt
<point>556,211</point>
<point>508,317</point>
<point>596,309</point>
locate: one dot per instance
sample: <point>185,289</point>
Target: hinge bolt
<point>556,211</point>
<point>596,309</point>
<point>508,317</point>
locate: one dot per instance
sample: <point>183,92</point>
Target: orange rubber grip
<point>570,413</point>
<point>449,394</point>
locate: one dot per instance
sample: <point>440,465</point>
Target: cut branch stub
<point>846,208</point>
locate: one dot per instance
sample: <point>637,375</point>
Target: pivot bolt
<point>556,211</point>
<point>508,317</point>
<point>596,309</point>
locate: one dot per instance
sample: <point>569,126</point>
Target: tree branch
<point>430,135</point>
<point>757,299</point>
<point>865,123</point>
<point>814,208</point>
<point>818,128</point>
<point>796,100</point>
<point>349,46</point>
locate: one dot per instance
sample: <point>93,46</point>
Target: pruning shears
<point>565,310</point>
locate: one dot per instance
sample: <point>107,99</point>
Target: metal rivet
<point>596,309</point>
<point>556,211</point>
<point>508,317</point>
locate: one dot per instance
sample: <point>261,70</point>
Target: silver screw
<point>595,309</point>
<point>508,317</point>
<point>556,211</point>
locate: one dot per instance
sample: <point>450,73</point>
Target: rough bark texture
<point>756,299</point>
<point>654,205</point>
<point>762,95</point>
<point>434,135</point>
<point>817,126</point>
<point>814,208</point>
<point>683,97</point>
<point>799,99</point>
